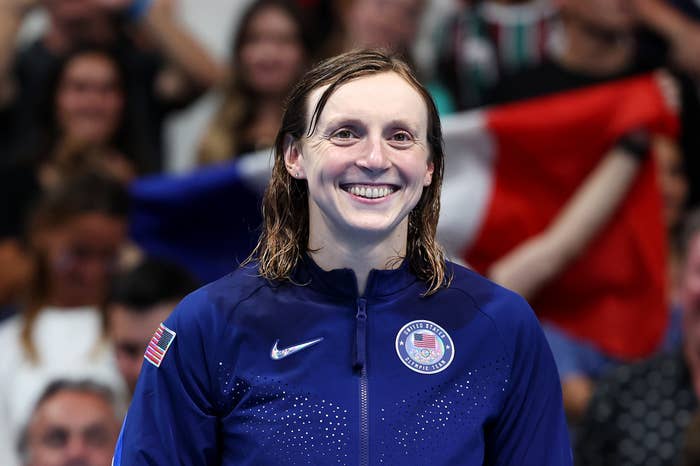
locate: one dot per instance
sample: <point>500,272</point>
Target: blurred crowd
<point>82,113</point>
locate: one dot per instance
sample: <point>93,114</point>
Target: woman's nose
<point>375,157</point>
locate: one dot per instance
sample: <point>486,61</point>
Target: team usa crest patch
<point>159,344</point>
<point>424,347</point>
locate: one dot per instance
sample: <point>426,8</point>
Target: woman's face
<point>81,256</point>
<point>89,100</point>
<point>389,24</point>
<point>368,160</point>
<point>271,54</point>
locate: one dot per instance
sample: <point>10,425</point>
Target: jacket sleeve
<point>172,418</point>
<point>531,428</point>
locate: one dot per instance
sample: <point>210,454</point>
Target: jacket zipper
<point>360,364</point>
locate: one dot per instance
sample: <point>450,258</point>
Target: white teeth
<point>369,192</point>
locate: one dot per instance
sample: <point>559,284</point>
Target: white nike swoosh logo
<point>277,354</point>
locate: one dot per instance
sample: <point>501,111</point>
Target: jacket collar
<point>342,282</point>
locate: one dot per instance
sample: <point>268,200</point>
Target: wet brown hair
<point>285,233</point>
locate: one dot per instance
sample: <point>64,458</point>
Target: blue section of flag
<point>207,221</point>
<point>164,340</point>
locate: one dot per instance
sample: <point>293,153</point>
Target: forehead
<point>270,17</point>
<point>74,409</point>
<point>97,226</point>
<point>93,62</point>
<point>374,98</point>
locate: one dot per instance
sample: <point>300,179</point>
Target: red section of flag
<point>614,294</point>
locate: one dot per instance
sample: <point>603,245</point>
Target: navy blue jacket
<point>311,373</point>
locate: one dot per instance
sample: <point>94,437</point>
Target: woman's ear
<point>428,178</point>
<point>293,157</point>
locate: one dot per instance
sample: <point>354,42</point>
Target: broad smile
<point>369,191</point>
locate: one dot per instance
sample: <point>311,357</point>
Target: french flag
<point>509,170</point>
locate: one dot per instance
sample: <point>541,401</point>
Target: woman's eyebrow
<point>352,121</point>
<point>412,127</point>
<point>341,121</point>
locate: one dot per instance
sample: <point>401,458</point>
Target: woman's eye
<point>401,136</point>
<point>343,134</point>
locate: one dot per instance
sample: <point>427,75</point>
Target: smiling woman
<point>366,171</point>
<point>347,338</point>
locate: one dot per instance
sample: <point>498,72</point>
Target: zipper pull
<point>360,335</point>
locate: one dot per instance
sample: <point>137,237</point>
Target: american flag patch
<point>424,340</point>
<point>159,344</point>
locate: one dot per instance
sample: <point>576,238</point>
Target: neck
<point>595,51</point>
<point>361,254</point>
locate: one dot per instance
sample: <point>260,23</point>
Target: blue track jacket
<point>248,372</point>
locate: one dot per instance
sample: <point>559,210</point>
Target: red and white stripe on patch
<point>159,344</point>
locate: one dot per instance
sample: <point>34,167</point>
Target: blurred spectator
<point>75,237</point>
<point>639,413</point>
<point>609,39</point>
<point>389,24</point>
<point>270,52</point>
<point>73,423</point>
<point>85,108</point>
<point>21,186</point>
<point>598,46</point>
<point>489,39</point>
<point>140,299</point>
<point>167,67</point>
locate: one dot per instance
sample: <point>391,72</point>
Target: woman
<point>85,109</point>
<point>75,235</point>
<point>382,352</point>
<point>270,52</point>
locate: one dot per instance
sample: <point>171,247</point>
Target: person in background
<point>167,67</point>
<point>75,237</point>
<point>598,46</point>
<point>140,299</point>
<point>383,24</point>
<point>387,24</point>
<point>84,108</point>
<point>271,50</point>
<point>73,423</point>
<point>639,413</point>
<point>487,40</point>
